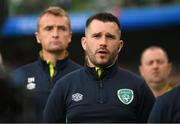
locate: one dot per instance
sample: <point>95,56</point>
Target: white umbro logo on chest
<point>77,97</point>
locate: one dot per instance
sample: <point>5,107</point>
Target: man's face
<point>102,43</point>
<point>54,33</point>
<point>155,67</point>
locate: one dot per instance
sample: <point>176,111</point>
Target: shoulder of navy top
<point>173,94</point>
<point>21,72</point>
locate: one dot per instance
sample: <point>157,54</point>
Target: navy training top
<point>35,83</point>
<point>118,96</point>
<point>167,108</point>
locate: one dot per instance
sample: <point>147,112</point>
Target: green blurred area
<point>21,7</point>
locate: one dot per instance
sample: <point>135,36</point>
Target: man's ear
<point>37,37</point>
<point>70,37</point>
<point>169,68</point>
<point>83,42</point>
<point>141,70</point>
<point>121,45</point>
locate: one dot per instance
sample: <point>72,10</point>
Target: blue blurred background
<point>144,23</point>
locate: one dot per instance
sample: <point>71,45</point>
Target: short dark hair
<point>105,17</point>
<point>152,48</point>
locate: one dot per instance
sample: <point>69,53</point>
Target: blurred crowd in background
<point>19,7</point>
<point>19,50</point>
<point>23,49</point>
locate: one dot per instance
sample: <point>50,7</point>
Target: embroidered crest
<point>126,96</point>
<point>31,83</point>
<point>77,97</point>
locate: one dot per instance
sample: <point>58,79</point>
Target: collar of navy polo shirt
<point>105,72</point>
<point>60,64</point>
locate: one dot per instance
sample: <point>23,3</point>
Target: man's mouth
<point>103,52</point>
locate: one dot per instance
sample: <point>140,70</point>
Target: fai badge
<point>126,96</point>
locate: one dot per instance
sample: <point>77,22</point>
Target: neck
<point>53,57</point>
<point>159,90</point>
<point>90,64</point>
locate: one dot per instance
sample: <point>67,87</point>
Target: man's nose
<point>155,64</point>
<point>55,33</point>
<point>103,41</point>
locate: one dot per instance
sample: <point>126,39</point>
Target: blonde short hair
<point>56,11</point>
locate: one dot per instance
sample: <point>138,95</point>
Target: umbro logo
<point>77,97</point>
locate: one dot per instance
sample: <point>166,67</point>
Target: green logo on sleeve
<point>126,96</point>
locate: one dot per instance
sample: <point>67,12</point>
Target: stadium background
<point>144,23</point>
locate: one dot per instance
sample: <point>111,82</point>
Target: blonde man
<point>38,78</point>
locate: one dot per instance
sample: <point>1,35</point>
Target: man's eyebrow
<point>48,26</point>
<point>110,35</point>
<point>94,34</point>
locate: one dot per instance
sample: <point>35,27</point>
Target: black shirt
<point>118,96</point>
<point>10,106</point>
<point>36,84</point>
<point>167,108</point>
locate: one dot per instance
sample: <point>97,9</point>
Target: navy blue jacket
<point>167,108</point>
<point>118,96</point>
<point>36,84</point>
